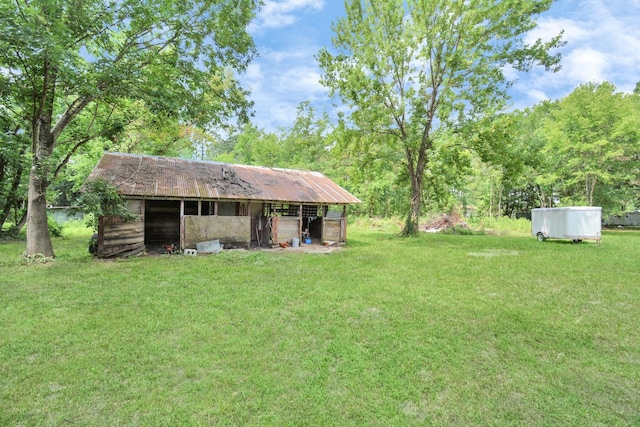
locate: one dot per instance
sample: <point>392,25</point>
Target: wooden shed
<point>185,202</point>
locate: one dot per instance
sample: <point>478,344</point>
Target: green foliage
<point>14,161</point>
<point>100,198</point>
<point>36,259</point>
<point>463,231</point>
<point>500,226</point>
<point>413,71</point>
<point>410,227</point>
<point>582,149</point>
<point>66,65</point>
<point>11,231</point>
<point>55,228</point>
<point>583,141</point>
<point>304,145</point>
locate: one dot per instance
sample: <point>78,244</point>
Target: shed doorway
<point>161,222</point>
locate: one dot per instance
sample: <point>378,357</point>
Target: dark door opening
<point>162,222</point>
<point>312,221</point>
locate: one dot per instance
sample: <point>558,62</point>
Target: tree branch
<point>70,153</point>
<point>72,111</point>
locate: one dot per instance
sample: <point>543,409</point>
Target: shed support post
<point>181,224</point>
<point>300,222</point>
<point>325,209</point>
<point>344,223</point>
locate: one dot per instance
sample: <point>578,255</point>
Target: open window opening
<point>227,208</point>
<point>281,209</point>
<point>207,208</point>
<point>190,207</point>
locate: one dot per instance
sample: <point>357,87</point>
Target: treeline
<point>583,149</point>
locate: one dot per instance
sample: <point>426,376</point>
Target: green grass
<point>437,329</point>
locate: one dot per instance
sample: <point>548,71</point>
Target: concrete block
<point>210,247</point>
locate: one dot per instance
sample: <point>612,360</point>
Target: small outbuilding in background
<point>575,222</point>
<point>184,202</point>
<point>625,219</point>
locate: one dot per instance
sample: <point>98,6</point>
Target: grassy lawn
<point>438,329</point>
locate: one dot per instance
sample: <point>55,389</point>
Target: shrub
<point>99,198</point>
<point>55,228</point>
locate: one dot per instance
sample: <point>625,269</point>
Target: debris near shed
<point>126,251</point>
<point>443,222</point>
<point>209,247</point>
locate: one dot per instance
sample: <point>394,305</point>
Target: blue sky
<point>603,43</point>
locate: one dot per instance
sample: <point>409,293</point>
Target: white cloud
<point>298,53</point>
<point>536,95</point>
<point>254,74</point>
<point>277,14</point>
<point>602,43</point>
<point>586,65</point>
<point>302,81</point>
<point>276,115</point>
<point>548,28</point>
<point>279,81</point>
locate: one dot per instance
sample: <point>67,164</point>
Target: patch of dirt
<point>314,248</point>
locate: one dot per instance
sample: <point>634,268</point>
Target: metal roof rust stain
<point>153,176</point>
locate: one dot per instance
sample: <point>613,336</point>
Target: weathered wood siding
<point>230,230</point>
<point>136,206</point>
<point>116,237</point>
<point>288,228</point>
<point>334,229</point>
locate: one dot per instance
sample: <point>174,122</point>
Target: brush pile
<point>443,222</point>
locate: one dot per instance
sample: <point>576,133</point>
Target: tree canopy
<point>61,58</point>
<point>411,71</point>
<point>583,149</point>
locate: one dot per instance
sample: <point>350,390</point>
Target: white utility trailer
<point>575,222</point>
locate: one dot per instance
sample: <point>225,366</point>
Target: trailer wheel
<point>540,237</point>
<point>577,240</point>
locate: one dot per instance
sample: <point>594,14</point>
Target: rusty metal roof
<point>164,177</point>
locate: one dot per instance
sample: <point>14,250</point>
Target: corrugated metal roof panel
<point>157,177</point>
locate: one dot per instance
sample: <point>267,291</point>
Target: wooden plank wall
<point>116,237</point>
<point>334,229</point>
<point>230,230</point>
<point>288,228</point>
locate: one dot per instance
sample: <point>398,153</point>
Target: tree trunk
<point>38,238</point>
<point>590,186</point>
<point>413,217</point>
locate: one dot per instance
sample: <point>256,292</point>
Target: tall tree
<point>593,142</point>
<point>411,69</point>
<point>305,142</point>
<point>60,57</point>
